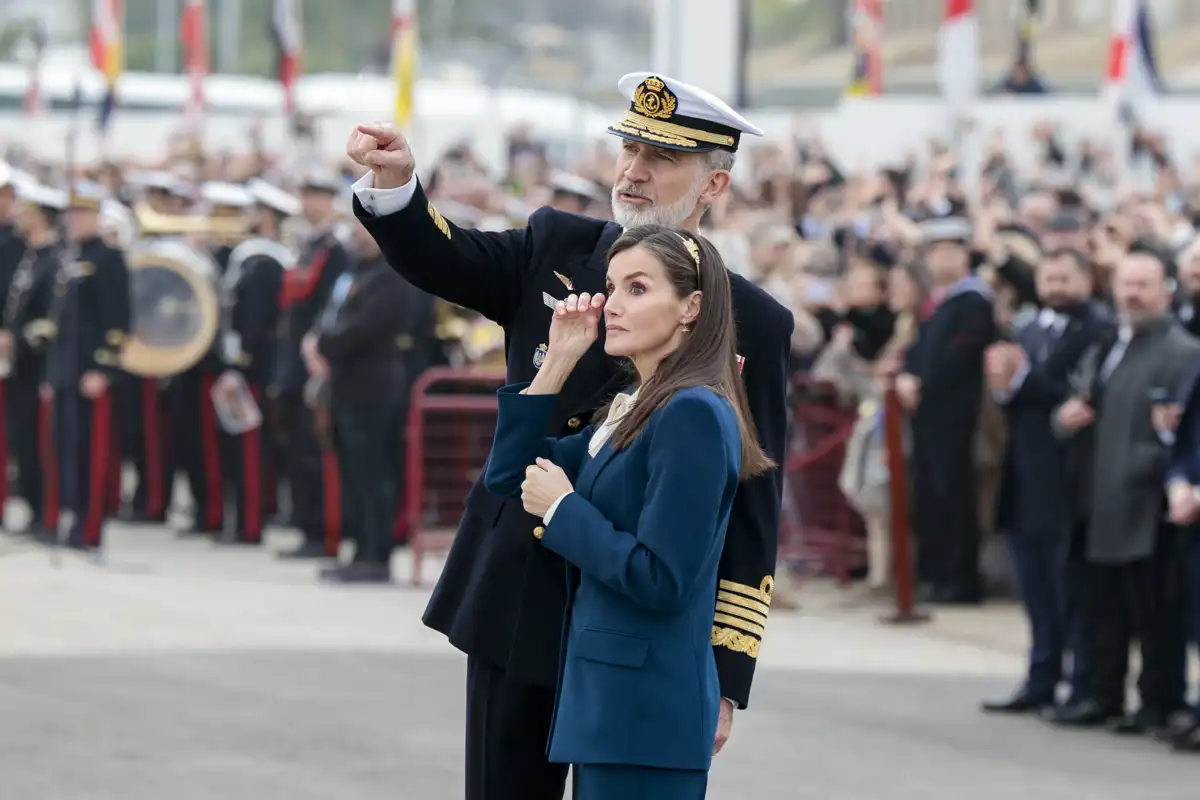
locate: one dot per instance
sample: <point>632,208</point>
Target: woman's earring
<point>687,328</point>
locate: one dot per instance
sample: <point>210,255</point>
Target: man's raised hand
<point>382,147</point>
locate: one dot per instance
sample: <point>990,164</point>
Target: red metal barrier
<point>903,566</point>
<point>451,420</point>
<point>818,526</point>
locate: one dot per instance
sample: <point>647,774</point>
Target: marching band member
<point>90,318</point>
<point>252,285</point>
<point>11,250</point>
<point>306,289</point>
<point>22,347</point>
<point>196,434</point>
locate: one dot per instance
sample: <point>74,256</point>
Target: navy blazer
<point>645,528</point>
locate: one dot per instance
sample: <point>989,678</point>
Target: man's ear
<point>718,183</point>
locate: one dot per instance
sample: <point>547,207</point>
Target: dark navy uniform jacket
<point>305,292</point>
<point>254,319</point>
<point>26,312</point>
<point>90,315</point>
<point>501,595</point>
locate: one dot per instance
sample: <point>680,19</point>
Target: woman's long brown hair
<point>708,354</point>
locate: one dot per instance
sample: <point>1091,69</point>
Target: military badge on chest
<point>539,355</point>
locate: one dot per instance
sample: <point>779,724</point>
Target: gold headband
<point>694,250</point>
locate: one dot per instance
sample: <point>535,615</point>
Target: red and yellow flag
<point>404,59</point>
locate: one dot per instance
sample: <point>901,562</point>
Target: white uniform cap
<point>41,196</point>
<point>274,198</point>
<point>230,195</point>
<point>568,183</point>
<point>161,181</point>
<point>668,113</point>
<point>5,176</point>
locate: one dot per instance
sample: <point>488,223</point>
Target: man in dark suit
<point>942,386</point>
<point>1131,555</point>
<point>1183,499</point>
<point>501,597</point>
<point>356,346</point>
<point>1029,378</point>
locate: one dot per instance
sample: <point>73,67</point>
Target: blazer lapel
<point>593,467</point>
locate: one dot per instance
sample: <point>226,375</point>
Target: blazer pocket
<point>612,647</point>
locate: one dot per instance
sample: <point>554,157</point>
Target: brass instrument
<point>175,307</point>
<point>470,340</point>
<point>221,229</point>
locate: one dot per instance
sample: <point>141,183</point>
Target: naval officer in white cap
<point>502,596</point>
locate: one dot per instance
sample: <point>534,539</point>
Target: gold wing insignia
<point>439,220</point>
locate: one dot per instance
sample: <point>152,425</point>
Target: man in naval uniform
<point>501,597</point>
<point>304,293</point>
<point>252,285</point>
<point>90,318</point>
<point>23,347</point>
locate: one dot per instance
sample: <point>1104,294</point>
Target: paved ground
<point>179,670</point>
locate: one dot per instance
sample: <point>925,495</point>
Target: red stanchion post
<point>902,561</point>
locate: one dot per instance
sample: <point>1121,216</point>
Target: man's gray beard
<point>669,216</point>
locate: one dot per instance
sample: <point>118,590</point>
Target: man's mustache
<point>634,192</point>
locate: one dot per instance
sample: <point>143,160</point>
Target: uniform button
<point>538,531</point>
<point>573,423</point>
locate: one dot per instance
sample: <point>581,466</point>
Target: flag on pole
<point>958,54</point>
<point>1132,76</point>
<point>33,102</point>
<point>404,58</point>
<point>107,46</point>
<point>288,36</point>
<point>866,25</point>
<point>193,36</point>
<point>1026,30</point>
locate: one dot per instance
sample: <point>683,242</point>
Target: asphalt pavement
<point>178,669</point>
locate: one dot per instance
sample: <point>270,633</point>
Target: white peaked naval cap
<point>274,198</point>
<point>41,196</point>
<point>230,195</point>
<point>668,113</point>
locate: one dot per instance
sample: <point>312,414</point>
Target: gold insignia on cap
<point>115,337</point>
<point>654,100</point>
<point>439,220</point>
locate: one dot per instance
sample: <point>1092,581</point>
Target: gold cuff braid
<point>736,641</point>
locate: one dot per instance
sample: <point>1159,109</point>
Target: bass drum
<point>175,308</point>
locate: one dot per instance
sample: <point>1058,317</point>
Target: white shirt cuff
<point>1005,397</point>
<point>1166,437</point>
<point>553,507</point>
<point>382,202</point>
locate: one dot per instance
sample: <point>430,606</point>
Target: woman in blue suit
<point>637,504</point>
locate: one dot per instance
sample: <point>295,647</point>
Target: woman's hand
<point>575,326</point>
<point>544,483</point>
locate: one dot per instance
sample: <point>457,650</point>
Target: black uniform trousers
<point>145,432</point>
<point>508,731</point>
<point>947,513</point>
<point>83,442</point>
<point>367,439</point>
<point>1141,600</point>
<point>197,443</point>
<point>304,467</point>
<point>250,473</point>
<point>23,408</point>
